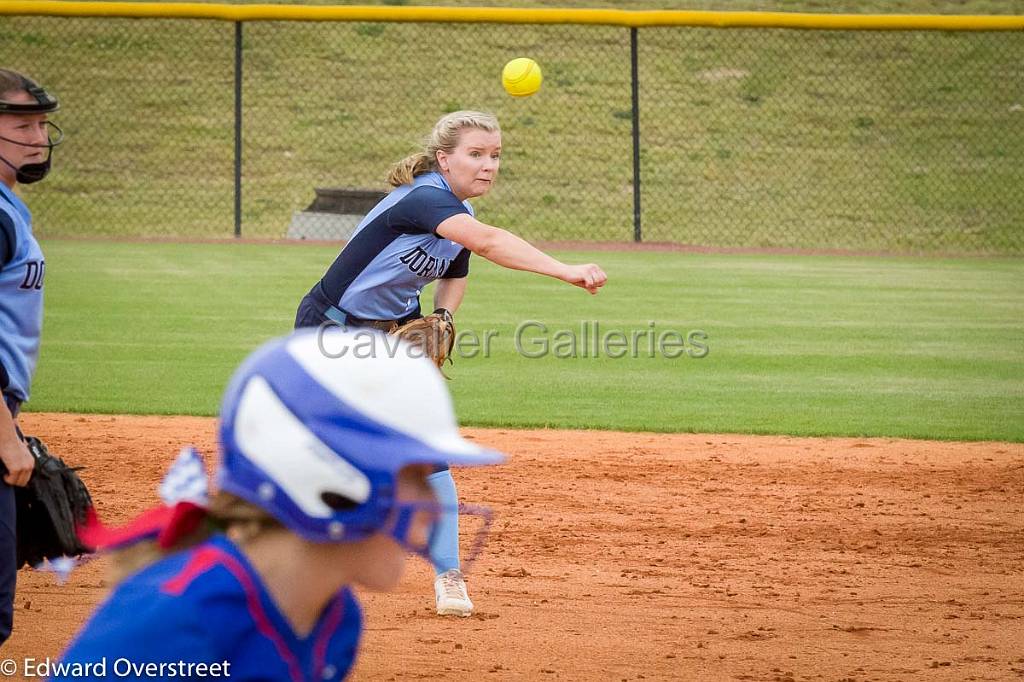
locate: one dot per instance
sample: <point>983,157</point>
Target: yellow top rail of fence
<point>607,17</point>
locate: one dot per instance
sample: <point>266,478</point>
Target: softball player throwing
<point>322,485</point>
<point>25,149</point>
<point>423,231</point>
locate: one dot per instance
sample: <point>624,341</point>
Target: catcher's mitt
<point>434,334</point>
<point>49,507</point>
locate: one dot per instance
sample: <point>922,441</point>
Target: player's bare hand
<point>590,277</point>
<point>19,463</point>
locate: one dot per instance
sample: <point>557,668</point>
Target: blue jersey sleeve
<point>104,652</point>
<point>423,209</point>
<point>459,267</point>
<point>8,239</point>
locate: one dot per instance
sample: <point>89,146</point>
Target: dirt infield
<point>620,556</point>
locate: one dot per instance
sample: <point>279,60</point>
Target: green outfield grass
<point>798,345</point>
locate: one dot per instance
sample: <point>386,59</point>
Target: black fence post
<point>637,232</point>
<point>238,129</point>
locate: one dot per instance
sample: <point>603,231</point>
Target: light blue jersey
<point>21,297</point>
<point>395,252</point>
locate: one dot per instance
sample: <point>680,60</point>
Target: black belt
<point>386,326</point>
<point>349,320</point>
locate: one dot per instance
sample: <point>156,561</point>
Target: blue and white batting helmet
<point>315,427</point>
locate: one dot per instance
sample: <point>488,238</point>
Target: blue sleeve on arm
<point>104,656</point>
<point>8,239</point>
<point>423,209</point>
<point>459,267</point>
<point>140,623</point>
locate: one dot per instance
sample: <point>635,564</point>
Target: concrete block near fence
<point>312,225</point>
<point>334,213</point>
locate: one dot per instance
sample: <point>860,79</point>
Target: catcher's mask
<point>318,441</point>
<point>44,103</point>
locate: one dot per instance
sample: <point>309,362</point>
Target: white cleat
<point>451,596</point>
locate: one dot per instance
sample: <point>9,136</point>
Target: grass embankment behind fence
<point>879,141</point>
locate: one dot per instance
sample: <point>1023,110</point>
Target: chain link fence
<point>903,141</point>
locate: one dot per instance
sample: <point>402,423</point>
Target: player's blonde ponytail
<point>444,137</point>
<point>403,172</point>
<point>227,513</point>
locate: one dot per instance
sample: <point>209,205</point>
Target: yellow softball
<point>521,77</point>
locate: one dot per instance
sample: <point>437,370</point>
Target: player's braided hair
<point>240,519</point>
<point>444,137</point>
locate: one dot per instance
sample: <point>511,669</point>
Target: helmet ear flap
<point>372,515</point>
<point>338,502</point>
<point>376,514</point>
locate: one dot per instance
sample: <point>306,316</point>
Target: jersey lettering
<point>423,264</point>
<point>34,273</point>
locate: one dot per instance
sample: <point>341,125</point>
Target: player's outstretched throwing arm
<point>510,251</point>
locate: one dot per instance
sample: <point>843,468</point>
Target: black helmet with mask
<point>44,103</point>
